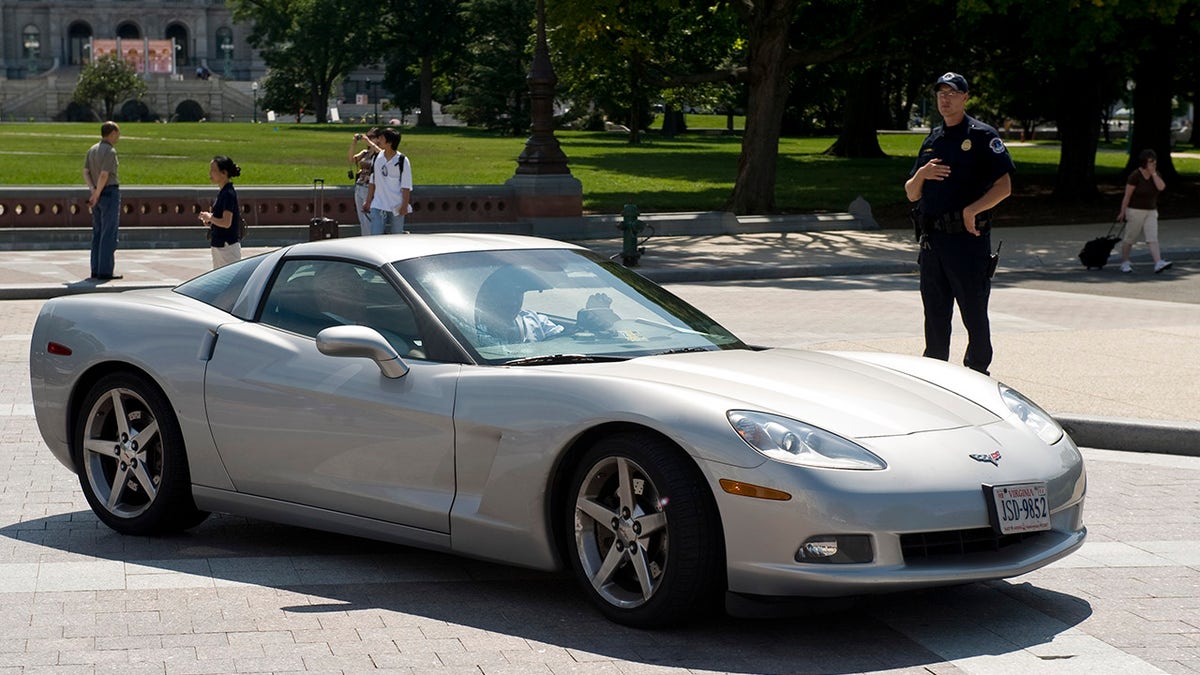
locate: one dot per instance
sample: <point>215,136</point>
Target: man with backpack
<point>390,188</point>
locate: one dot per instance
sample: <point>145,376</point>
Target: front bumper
<point>938,496</point>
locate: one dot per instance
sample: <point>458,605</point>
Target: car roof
<point>381,249</point>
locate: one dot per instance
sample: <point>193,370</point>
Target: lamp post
<point>227,47</point>
<point>254,89</point>
<point>375,95</point>
<point>542,154</point>
<point>31,51</point>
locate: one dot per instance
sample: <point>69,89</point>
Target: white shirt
<point>388,189</point>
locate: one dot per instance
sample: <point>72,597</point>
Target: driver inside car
<point>500,317</point>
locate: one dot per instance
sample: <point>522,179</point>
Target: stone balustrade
<point>66,207</point>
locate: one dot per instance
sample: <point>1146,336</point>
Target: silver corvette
<point>526,401</point>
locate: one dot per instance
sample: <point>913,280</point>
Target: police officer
<point>961,172</point>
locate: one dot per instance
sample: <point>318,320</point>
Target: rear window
<point>222,286</point>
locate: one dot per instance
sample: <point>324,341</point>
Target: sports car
<point>530,402</point>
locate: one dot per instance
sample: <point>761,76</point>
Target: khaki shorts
<point>1139,220</point>
<point>226,254</point>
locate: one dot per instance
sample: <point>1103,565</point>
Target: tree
<point>109,80</point>
<point>317,41</point>
<point>491,90</point>
<point>827,31</point>
<point>1154,51</point>
<point>285,91</point>
<point>621,56</point>
<point>864,100</point>
<point>414,58</point>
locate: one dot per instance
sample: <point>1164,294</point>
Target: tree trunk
<point>859,138</point>
<point>320,96</point>
<point>425,116</point>
<point>1152,109</point>
<point>1079,131</point>
<point>754,188</point>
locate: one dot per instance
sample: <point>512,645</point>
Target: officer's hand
<point>935,170</point>
<point>969,222</point>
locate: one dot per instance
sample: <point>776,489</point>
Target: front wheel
<point>647,547</point>
<point>131,461</point>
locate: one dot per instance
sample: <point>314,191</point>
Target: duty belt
<point>952,223</point>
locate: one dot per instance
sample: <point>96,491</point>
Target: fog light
<point>841,548</point>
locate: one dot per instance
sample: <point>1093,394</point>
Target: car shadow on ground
<point>318,573</point>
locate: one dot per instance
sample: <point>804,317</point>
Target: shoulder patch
<point>997,145</point>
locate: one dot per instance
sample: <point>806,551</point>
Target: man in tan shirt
<point>100,174</point>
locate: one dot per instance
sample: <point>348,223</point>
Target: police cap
<point>953,80</point>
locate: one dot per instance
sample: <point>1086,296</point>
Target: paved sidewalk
<point>1152,379</point>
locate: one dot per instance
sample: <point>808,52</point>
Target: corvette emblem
<point>993,459</point>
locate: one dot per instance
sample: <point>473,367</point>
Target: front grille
<point>923,545</point>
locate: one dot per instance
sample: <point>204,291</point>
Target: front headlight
<point>794,442</point>
<point>1039,421</point>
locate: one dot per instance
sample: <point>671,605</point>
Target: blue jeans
<point>386,221</point>
<point>105,217</point>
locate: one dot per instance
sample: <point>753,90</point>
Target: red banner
<point>146,56</point>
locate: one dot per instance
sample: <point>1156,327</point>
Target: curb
<point>750,273</point>
<point>1133,435</point>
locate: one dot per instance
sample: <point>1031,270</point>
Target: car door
<point>295,425</point>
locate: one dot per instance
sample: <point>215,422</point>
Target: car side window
<point>308,296</point>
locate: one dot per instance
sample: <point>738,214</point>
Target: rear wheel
<point>131,459</point>
<point>647,547</point>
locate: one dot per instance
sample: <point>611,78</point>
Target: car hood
<point>852,398</point>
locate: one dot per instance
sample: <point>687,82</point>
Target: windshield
<point>548,306</point>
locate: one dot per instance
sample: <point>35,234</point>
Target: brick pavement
<point>243,596</point>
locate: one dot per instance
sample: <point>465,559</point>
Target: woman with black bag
<point>1139,210</point>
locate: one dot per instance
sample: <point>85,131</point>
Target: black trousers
<point>954,268</point>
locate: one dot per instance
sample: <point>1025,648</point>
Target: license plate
<point>1018,508</point>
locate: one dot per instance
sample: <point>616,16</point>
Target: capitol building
<point>190,52</point>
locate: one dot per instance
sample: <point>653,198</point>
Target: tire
<point>644,559</point>
<point>130,455</point>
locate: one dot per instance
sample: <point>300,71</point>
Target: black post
<point>542,154</point>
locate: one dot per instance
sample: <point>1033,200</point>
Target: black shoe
<point>108,277</point>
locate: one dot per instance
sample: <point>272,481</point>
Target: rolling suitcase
<point>321,227</point>
<point>1095,253</point>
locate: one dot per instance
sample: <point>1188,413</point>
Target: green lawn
<point>691,172</point>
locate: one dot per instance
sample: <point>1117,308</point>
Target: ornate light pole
<point>545,194</point>
<point>254,89</point>
<point>32,44</point>
<point>375,95</point>
<point>227,47</point>
<point>542,154</point>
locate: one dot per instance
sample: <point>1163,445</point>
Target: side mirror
<point>362,342</point>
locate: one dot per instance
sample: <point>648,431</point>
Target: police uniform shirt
<point>977,158</point>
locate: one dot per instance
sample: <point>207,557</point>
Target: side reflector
<point>739,488</point>
<point>58,349</point>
